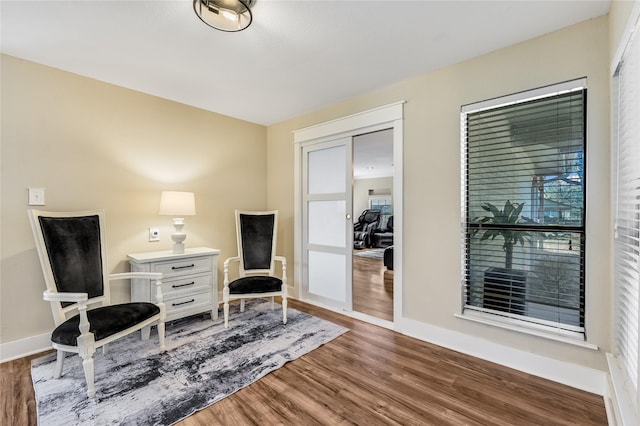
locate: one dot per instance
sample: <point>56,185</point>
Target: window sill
<point>515,325</point>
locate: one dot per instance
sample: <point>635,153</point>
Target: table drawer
<point>189,302</point>
<point>183,266</point>
<point>186,284</point>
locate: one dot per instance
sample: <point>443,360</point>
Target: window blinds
<point>626,126</point>
<point>524,209</point>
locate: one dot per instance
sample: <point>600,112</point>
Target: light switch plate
<point>36,196</point>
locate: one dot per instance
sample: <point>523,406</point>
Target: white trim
<point>533,329</point>
<point>398,212</point>
<point>359,120</point>
<point>567,373</point>
<point>633,23</point>
<point>540,92</point>
<point>24,347</point>
<point>623,407</point>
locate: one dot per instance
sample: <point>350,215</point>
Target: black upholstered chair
<point>257,236</point>
<point>383,236</point>
<point>73,256</point>
<point>387,258</point>
<point>367,223</point>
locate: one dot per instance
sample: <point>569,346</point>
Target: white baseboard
<point>622,403</point>
<point>577,376</point>
<point>24,347</point>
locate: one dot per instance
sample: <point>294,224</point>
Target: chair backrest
<point>368,216</point>
<point>387,226</point>
<point>257,237</point>
<point>72,255</point>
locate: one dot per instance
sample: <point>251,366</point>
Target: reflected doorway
<point>372,260</point>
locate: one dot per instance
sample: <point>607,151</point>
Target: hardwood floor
<point>369,376</point>
<point>372,288</point>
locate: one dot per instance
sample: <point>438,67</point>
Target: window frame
<point>623,361</point>
<point>523,323</point>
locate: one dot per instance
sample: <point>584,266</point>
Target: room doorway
<point>306,257</point>
<point>372,261</point>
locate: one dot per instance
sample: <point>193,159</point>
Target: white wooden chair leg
<point>241,305</point>
<point>146,332</point>
<point>273,303</point>
<point>225,296</point>
<point>161,332</point>
<point>86,348</point>
<point>87,365</point>
<point>284,310</point>
<point>104,350</point>
<point>163,317</point>
<point>59,364</point>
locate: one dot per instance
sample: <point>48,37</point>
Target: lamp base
<point>178,248</point>
<point>178,236</point>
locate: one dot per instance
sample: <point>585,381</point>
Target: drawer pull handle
<point>183,267</point>
<point>183,285</point>
<point>183,303</point>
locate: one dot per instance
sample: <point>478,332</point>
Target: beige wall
<point>94,145</point>
<point>361,188</point>
<point>432,175</point>
<point>618,16</point>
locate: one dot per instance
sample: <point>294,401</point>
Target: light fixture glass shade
<point>224,15</point>
<point>178,204</point>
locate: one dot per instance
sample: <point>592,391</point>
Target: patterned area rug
<point>203,364</point>
<point>374,253</point>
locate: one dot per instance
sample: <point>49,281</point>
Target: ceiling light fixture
<point>225,15</point>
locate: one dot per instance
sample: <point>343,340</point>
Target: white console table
<point>189,283</point>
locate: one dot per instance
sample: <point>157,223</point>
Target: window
<point>523,208</point>
<point>384,204</point>
<point>626,155</point>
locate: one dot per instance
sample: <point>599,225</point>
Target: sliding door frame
<point>385,117</point>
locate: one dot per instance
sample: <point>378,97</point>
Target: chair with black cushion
<point>73,256</point>
<point>383,236</point>
<point>257,236</point>
<point>365,226</point>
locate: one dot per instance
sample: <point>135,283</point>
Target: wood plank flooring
<point>372,288</point>
<point>369,376</point>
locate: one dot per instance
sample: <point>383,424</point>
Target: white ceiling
<point>373,155</point>
<point>296,57</point>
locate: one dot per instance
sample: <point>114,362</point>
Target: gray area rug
<point>374,253</point>
<point>204,363</point>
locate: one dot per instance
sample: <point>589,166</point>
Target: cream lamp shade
<point>178,204</point>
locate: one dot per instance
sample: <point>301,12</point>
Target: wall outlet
<point>154,234</point>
